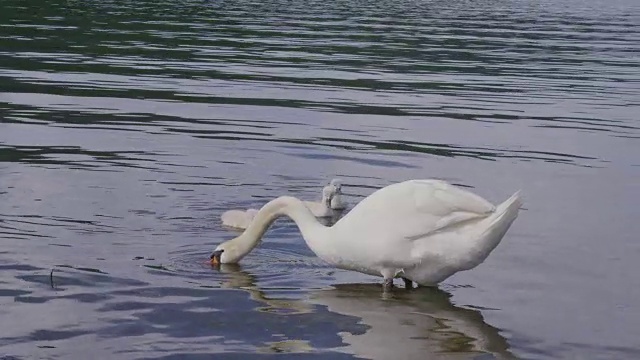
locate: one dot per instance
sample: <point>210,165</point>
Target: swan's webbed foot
<point>408,284</point>
<point>387,285</point>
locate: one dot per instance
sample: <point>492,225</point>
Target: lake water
<point>128,127</point>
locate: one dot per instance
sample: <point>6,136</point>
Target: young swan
<point>322,208</point>
<point>420,230</point>
<point>336,200</point>
<point>241,219</point>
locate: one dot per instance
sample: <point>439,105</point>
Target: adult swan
<point>419,230</point>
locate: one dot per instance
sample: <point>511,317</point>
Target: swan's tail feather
<point>503,216</point>
<point>492,231</point>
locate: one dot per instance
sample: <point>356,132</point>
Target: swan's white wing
<point>408,204</point>
<point>450,203</point>
<point>394,220</point>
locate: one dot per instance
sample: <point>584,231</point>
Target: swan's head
<point>337,184</point>
<point>227,253</point>
<point>336,199</point>
<point>328,192</point>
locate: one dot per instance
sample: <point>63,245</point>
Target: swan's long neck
<point>312,230</point>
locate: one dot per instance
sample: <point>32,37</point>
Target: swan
<point>419,230</point>
<point>336,201</point>
<point>322,208</point>
<point>326,207</point>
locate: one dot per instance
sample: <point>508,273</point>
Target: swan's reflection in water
<point>408,324</point>
<point>411,324</point>
<point>236,278</point>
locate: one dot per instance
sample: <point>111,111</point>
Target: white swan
<point>420,230</point>
<point>241,219</point>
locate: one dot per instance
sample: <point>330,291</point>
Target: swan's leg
<point>387,285</point>
<point>408,284</point>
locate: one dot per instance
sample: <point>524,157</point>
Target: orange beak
<point>214,261</point>
<point>215,257</point>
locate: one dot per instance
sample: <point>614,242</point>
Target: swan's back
<point>415,205</point>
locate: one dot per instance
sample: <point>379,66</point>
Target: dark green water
<point>128,127</point>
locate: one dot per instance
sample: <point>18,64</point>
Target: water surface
<point>127,128</point>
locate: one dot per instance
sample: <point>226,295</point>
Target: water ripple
<point>126,129</point>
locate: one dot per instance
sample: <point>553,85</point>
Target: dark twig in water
<point>51,279</point>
